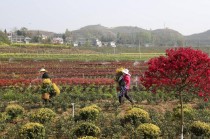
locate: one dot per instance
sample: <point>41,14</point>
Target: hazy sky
<point>185,16</point>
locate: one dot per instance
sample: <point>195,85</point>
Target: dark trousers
<point>124,92</point>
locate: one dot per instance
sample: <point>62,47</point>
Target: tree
<point>19,33</point>
<point>22,31</point>
<point>68,33</point>
<point>36,39</point>
<point>5,31</point>
<point>64,37</point>
<point>4,38</point>
<point>183,71</point>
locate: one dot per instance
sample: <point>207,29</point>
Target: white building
<point>27,40</point>
<point>44,37</point>
<point>75,44</point>
<point>112,44</point>
<point>14,38</point>
<point>57,40</point>
<point>98,43</point>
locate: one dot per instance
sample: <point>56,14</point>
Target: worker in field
<point>44,73</point>
<point>47,89</point>
<point>123,78</point>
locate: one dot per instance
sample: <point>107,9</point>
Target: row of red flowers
<point>67,69</point>
<point>59,81</point>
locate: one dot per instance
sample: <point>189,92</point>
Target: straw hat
<point>126,71</point>
<point>42,70</point>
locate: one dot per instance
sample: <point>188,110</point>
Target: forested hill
<point>125,35</point>
<point>94,32</point>
<point>200,39</point>
<point>136,35</point>
<point>129,35</point>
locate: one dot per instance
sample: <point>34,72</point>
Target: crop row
<point>111,119</point>
<point>76,57</point>
<point>67,69</point>
<point>63,81</point>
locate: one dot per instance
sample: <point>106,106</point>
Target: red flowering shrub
<point>181,70</point>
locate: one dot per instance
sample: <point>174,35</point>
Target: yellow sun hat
<point>119,69</point>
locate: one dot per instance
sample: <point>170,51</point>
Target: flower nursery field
<point>66,72</point>
<point>87,83</point>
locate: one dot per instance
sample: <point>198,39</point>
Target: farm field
<point>63,71</point>
<point>88,98</point>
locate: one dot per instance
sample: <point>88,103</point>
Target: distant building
<point>112,44</point>
<point>81,41</point>
<point>14,38</point>
<point>148,44</point>
<point>98,43</point>
<point>57,40</point>
<point>44,37</point>
<point>75,44</point>
<point>27,40</point>
<point>105,43</point>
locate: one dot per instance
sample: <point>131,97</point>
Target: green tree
<point>22,31</point>
<point>4,38</point>
<point>64,37</point>
<point>67,33</point>
<point>35,39</point>
<point>5,31</point>
<point>19,33</point>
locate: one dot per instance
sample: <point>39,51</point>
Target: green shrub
<point>95,107</point>
<point>149,130</point>
<point>42,115</point>
<point>202,115</point>
<point>11,95</point>
<point>89,113</point>
<point>112,130</point>
<point>3,44</point>
<point>88,137</point>
<point>107,96</point>
<point>32,131</point>
<point>187,110</point>
<point>199,128</point>
<point>3,117</point>
<point>134,116</point>
<point>14,110</point>
<point>87,129</point>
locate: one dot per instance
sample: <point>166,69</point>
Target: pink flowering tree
<point>183,71</point>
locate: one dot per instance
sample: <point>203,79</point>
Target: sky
<point>185,16</point>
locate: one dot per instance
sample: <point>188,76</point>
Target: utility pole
<point>72,109</point>
<point>139,49</point>
<point>114,46</point>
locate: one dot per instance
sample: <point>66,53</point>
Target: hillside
<point>167,37</point>
<point>128,35</point>
<point>94,32</point>
<point>128,29</point>
<point>200,39</point>
<point>131,36</point>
